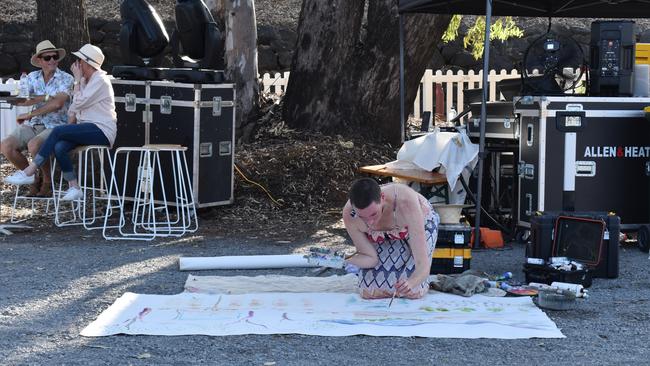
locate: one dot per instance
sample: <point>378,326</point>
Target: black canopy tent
<point>523,8</point>
<point>533,8</point>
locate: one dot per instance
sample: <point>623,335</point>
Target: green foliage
<point>502,29</point>
<point>452,30</point>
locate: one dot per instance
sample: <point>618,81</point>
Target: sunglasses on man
<point>50,57</point>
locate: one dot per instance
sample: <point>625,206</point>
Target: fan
<point>559,61</point>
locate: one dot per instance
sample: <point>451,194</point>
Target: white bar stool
<point>32,203</point>
<point>183,197</point>
<point>91,176</point>
<point>153,215</point>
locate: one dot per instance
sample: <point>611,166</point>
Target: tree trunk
<point>64,23</point>
<point>346,76</point>
<point>241,59</point>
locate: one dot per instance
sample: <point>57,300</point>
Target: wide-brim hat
<point>46,46</point>
<point>91,54</point>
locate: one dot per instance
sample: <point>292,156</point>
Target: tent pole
<point>481,148</point>
<point>401,79</point>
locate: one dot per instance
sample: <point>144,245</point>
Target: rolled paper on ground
<point>244,262</point>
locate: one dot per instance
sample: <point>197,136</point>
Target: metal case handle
<point>529,198</point>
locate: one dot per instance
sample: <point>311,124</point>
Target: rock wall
<point>17,44</point>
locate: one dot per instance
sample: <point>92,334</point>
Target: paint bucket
<point>449,213</point>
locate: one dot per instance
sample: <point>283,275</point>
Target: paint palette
<point>522,291</point>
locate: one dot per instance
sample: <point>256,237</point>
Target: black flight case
<point>200,117</point>
<point>584,154</point>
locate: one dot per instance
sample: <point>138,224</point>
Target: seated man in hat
<point>93,121</point>
<point>51,88</point>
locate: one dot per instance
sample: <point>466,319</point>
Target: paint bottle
<point>505,276</point>
<point>497,284</point>
<point>576,288</point>
<point>539,261</point>
<point>540,286</point>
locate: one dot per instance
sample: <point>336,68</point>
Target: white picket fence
<point>452,84</point>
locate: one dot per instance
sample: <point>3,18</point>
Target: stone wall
<point>17,44</point>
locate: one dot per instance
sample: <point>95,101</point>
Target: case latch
<point>129,102</point>
<point>216,106</point>
<point>165,104</point>
<point>526,170</point>
<point>458,261</point>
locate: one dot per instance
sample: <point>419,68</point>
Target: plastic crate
<point>454,235</point>
<point>450,260</point>
<point>642,53</point>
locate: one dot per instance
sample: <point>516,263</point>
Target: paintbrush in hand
<point>392,298</point>
<point>395,292</point>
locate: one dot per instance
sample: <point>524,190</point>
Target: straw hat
<point>91,54</point>
<point>46,46</point>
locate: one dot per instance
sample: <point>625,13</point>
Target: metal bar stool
<point>181,191</point>
<point>91,176</point>
<point>153,214</point>
<point>32,202</point>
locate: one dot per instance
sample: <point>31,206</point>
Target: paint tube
<point>576,288</point>
<point>505,276</point>
<point>497,284</point>
<point>539,286</point>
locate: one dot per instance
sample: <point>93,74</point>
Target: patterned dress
<point>395,258</point>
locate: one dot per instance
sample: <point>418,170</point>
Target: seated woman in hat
<point>92,117</point>
<point>394,229</point>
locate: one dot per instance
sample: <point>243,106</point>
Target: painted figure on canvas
<point>394,230</point>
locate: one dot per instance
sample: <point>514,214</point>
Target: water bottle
<point>452,114</point>
<point>24,86</point>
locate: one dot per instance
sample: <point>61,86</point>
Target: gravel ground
<point>54,282</point>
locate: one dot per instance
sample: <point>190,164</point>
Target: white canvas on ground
<point>348,284</point>
<point>325,314</point>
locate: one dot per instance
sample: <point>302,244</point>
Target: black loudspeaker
<point>612,58</point>
<point>197,41</point>
<point>143,37</point>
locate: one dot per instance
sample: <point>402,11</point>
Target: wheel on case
<point>522,235</point>
<point>643,238</point>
